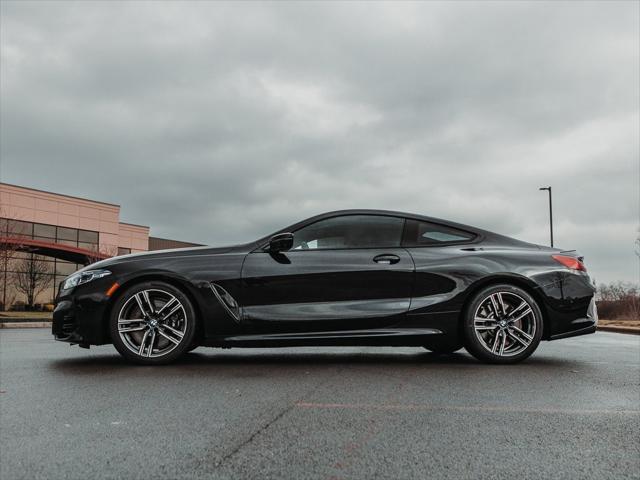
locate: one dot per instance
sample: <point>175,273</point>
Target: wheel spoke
<point>522,315</point>
<point>171,301</point>
<point>494,305</point>
<point>143,342</point>
<point>140,301</point>
<point>177,333</point>
<point>518,339</point>
<point>153,339</point>
<point>171,312</point>
<point>501,303</point>
<point>518,308</point>
<point>145,294</point>
<point>481,319</point>
<point>131,329</point>
<point>482,328</point>
<point>130,320</point>
<point>520,332</point>
<point>168,337</point>
<point>496,342</point>
<point>504,341</point>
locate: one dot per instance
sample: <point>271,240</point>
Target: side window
<point>425,233</point>
<point>350,231</point>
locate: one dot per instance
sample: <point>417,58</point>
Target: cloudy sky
<point>218,123</point>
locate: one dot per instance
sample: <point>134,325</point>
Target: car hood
<point>169,253</point>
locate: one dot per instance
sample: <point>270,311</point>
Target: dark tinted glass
<point>65,268</point>
<point>87,236</point>
<point>47,231</point>
<point>88,246</point>
<point>424,233</point>
<point>67,234</point>
<point>350,231</point>
<point>19,229</point>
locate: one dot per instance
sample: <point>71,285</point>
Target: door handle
<point>386,259</point>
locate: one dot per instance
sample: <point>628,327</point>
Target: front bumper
<point>81,319</point>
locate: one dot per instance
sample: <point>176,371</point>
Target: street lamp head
<point>544,188</point>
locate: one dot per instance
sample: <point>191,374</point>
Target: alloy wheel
<point>152,323</point>
<point>504,323</point>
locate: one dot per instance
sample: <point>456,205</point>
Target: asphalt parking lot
<point>571,411</point>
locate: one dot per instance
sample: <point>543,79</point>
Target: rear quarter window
<point>418,234</point>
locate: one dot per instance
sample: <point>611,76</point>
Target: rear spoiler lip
<point>573,253</point>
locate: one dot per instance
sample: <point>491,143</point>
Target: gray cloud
<point>217,122</point>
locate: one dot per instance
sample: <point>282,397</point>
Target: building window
<point>44,231</point>
<point>52,270</point>
<point>87,236</point>
<point>17,228</point>
<point>124,251</point>
<point>69,234</point>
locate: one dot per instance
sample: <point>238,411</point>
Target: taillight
<point>570,262</point>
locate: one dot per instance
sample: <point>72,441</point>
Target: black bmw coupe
<point>355,277</point>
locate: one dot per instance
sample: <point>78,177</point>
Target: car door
<point>342,273</point>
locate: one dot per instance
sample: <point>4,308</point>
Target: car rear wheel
<point>152,323</point>
<point>502,324</point>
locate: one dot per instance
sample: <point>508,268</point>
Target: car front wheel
<point>152,323</point>
<point>502,324</point>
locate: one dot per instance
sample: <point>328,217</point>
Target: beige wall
<point>135,237</point>
<point>31,205</point>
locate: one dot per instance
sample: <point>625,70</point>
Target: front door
<point>342,273</point>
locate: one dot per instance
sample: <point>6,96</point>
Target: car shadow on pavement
<point>298,359</point>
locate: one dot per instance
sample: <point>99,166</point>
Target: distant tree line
<point>618,300</point>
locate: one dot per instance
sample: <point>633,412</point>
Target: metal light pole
<point>550,212</point>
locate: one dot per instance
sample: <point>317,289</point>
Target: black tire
<point>515,340</point>
<point>182,324</point>
<point>443,349</point>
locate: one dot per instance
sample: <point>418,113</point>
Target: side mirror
<point>281,242</point>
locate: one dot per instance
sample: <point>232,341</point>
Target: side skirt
<point>378,337</point>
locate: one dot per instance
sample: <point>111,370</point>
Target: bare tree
<point>100,253</point>
<point>619,300</point>
<point>637,249</point>
<point>9,246</point>
<point>32,278</point>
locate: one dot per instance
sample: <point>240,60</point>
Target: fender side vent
<point>227,301</point>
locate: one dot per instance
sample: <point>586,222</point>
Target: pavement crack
<point>262,428</point>
<point>282,413</point>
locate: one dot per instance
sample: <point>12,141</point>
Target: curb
<point>25,325</point>
<point>616,329</point>
<point>25,319</point>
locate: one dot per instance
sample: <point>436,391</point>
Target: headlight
<point>84,277</point>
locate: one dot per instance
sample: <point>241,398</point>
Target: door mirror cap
<point>281,242</point>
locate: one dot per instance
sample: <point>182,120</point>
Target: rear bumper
<point>581,326</point>
<point>574,333</point>
<point>568,303</point>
